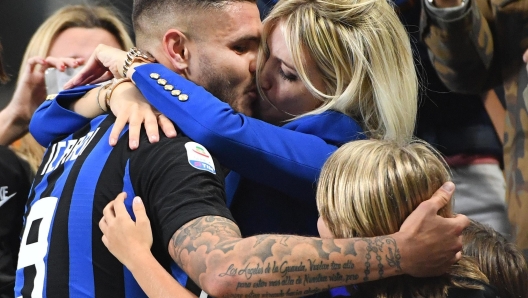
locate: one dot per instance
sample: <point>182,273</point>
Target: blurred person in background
<point>66,39</point>
<point>15,183</point>
<point>466,128</point>
<point>476,45</point>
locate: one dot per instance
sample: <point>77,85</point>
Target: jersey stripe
<point>108,272</point>
<point>84,182</point>
<point>47,190</point>
<point>58,283</point>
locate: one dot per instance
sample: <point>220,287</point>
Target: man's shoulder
<point>164,142</point>
<point>180,149</point>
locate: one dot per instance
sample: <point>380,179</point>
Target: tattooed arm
<point>211,251</point>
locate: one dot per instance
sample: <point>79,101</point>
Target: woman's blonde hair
<point>72,16</point>
<point>368,188</point>
<point>75,16</point>
<point>363,54</point>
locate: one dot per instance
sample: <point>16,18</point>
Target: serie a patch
<point>199,158</point>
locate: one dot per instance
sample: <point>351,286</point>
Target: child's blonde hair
<point>368,188</point>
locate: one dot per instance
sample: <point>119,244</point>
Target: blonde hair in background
<point>363,54</point>
<point>368,188</point>
<point>72,16</point>
<point>499,259</point>
<point>75,16</point>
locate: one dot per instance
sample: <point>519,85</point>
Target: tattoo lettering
<point>393,257</point>
<point>231,271</point>
<point>270,265</point>
<point>285,269</point>
<point>320,266</point>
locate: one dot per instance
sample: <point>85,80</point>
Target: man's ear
<point>175,48</point>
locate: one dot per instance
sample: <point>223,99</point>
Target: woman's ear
<point>175,48</point>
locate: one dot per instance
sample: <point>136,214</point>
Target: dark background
<point>19,19</point>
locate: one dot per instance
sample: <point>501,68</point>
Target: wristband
<point>105,86</point>
<point>110,90</point>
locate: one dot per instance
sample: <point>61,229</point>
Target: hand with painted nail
<point>31,90</point>
<point>31,87</point>
<point>105,63</point>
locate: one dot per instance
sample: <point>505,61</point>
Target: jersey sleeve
<point>179,181</point>
<point>287,160</point>
<point>52,120</point>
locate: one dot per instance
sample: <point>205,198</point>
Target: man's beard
<point>219,83</point>
<point>216,82</point>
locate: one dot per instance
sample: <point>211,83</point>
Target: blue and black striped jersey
<point>62,254</point>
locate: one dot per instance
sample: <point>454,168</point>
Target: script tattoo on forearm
<point>376,248</point>
<point>267,265</point>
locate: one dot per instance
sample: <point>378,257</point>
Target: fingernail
<point>134,144</point>
<point>153,139</point>
<point>112,141</point>
<point>137,200</point>
<point>448,186</point>
<point>172,133</point>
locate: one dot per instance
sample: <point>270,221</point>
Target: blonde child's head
<point>368,188</point>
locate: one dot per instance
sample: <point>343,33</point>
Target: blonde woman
<point>66,39</point>
<point>368,188</point>
<point>330,72</point>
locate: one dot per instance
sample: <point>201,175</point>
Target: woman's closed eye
<point>287,76</point>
